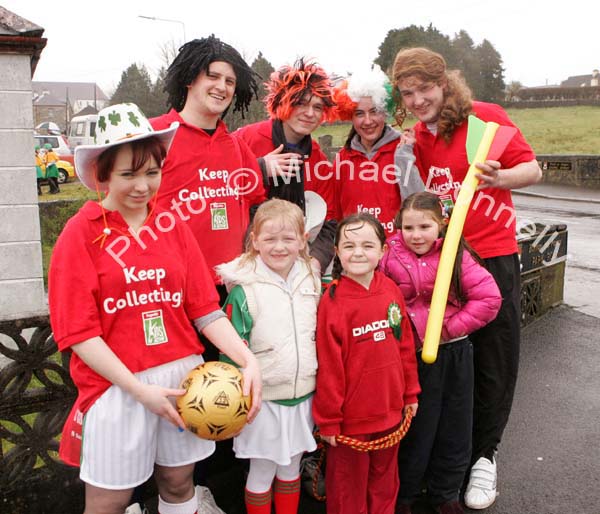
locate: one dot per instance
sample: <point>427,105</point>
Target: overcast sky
<point>540,41</point>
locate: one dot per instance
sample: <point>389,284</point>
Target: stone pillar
<point>21,280</point>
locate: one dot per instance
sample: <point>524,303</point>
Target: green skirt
<point>51,171</point>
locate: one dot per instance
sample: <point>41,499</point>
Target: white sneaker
<point>206,501</point>
<point>481,489</point>
<point>135,509</point>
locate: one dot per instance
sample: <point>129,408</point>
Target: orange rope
<point>386,441</point>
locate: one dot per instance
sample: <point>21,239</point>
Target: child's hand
<point>156,399</point>
<point>329,439</point>
<point>408,137</point>
<point>411,406</point>
<point>282,164</point>
<point>252,384</point>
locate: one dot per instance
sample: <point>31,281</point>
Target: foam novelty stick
<point>484,141</point>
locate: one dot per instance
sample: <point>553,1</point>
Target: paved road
<point>549,461</point>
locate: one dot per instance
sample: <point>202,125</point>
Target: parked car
<point>66,171</point>
<point>59,144</point>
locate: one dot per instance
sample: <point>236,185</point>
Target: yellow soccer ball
<point>213,406</point>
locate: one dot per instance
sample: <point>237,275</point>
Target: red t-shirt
<point>213,181</point>
<point>318,175</point>
<point>141,306</point>
<point>368,185</point>
<point>490,227</point>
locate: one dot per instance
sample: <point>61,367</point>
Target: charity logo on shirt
<point>154,327</point>
<point>218,216</point>
<point>133,297</point>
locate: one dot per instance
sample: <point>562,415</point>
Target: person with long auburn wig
<point>441,101</point>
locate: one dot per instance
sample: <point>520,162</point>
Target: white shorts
<point>277,433</point>
<point>122,440</point>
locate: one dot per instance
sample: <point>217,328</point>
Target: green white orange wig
<point>371,83</point>
<point>289,86</point>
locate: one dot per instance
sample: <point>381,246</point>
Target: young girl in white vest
<point>139,289</point>
<point>272,302</point>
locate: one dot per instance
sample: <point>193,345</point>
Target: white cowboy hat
<point>117,124</point>
<point>316,210</point>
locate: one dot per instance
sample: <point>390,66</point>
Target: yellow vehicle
<point>66,171</point>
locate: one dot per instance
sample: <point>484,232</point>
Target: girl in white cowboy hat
<point>140,283</point>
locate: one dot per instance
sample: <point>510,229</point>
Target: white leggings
<point>263,471</point>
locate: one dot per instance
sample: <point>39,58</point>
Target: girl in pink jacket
<point>437,448</point>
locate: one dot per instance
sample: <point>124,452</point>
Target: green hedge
<point>53,217</point>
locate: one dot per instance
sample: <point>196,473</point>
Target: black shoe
<point>451,507</point>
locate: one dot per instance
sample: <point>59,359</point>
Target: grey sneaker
<point>481,489</point>
<point>206,502</point>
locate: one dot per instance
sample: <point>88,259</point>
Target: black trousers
<point>53,183</point>
<point>496,359</point>
<point>437,449</point>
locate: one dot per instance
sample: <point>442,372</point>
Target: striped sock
<point>287,495</point>
<point>258,503</point>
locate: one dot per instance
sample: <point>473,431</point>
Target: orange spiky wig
<point>288,86</point>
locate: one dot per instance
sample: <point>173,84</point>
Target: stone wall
<point>567,170</point>
<point>571,170</point>
<point>21,284</point>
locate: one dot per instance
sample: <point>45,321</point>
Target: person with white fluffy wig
<point>370,165</point>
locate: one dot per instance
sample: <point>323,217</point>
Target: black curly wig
<point>194,57</point>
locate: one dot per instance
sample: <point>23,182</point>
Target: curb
<point>554,197</point>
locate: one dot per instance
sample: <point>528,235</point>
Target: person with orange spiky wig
<point>299,98</point>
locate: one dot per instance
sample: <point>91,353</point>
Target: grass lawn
<point>556,130</point>
<point>553,130</point>
<point>560,130</point>
<point>70,191</point>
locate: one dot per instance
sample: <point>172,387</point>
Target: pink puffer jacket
<point>415,275</point>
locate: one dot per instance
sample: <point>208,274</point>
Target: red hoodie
<point>369,185</point>
<point>365,375</point>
